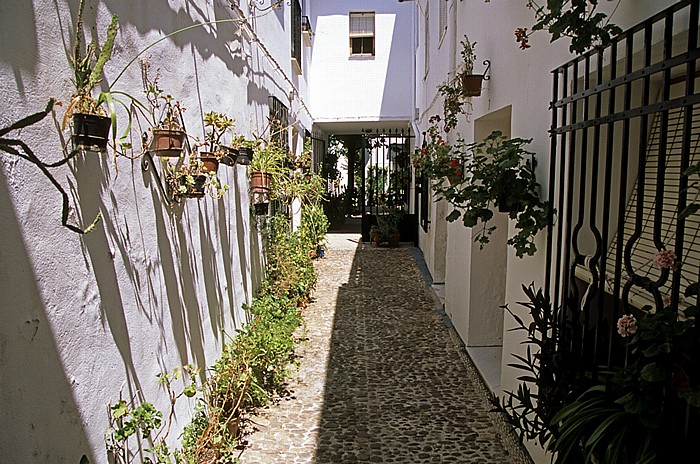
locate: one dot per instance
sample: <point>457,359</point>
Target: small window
<point>362,34</point>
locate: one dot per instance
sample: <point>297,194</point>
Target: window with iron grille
<point>279,121</point>
<point>296,33</point>
<point>426,41</point>
<point>625,125</point>
<point>362,34</point>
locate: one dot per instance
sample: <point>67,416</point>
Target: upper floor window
<point>362,34</point>
<point>296,34</point>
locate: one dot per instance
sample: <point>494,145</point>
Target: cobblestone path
<point>381,378</point>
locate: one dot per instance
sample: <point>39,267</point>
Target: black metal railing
<point>296,32</point>
<point>279,122</point>
<point>625,125</point>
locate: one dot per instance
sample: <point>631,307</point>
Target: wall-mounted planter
<point>167,143</point>
<point>471,85</point>
<point>229,156</point>
<point>196,190</point>
<point>245,154</point>
<point>210,162</point>
<point>90,130</point>
<point>261,182</point>
<point>261,208</point>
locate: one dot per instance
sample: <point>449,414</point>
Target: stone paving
<point>381,378</point>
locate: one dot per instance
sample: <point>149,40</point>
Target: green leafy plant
<point>493,173</point>
<point>454,93</point>
<point>88,62</point>
<point>190,179</point>
<point>575,19</point>
<point>219,124</point>
<point>165,112</point>
<point>144,422</point>
<point>268,157</point>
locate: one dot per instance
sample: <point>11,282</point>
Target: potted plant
<point>89,121</point>
<point>500,175</point>
<point>167,134</point>
<point>465,84</point>
<point>218,124</point>
<point>386,230</point>
<point>192,180</point>
<point>267,162</point>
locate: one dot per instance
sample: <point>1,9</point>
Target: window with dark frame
<point>279,120</point>
<point>362,34</point>
<point>296,33</point>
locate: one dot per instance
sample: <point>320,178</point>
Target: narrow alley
<point>381,378</point>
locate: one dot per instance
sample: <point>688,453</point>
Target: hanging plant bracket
<point>487,76</point>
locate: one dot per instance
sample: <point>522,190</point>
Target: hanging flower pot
<point>261,208</point>
<point>244,155</point>
<point>90,130</point>
<point>193,187</point>
<point>261,182</point>
<point>229,156</point>
<point>210,162</point>
<point>471,85</point>
<point>167,143</point>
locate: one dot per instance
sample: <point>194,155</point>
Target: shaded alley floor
<point>381,378</point>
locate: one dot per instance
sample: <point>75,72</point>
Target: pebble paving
<point>381,378</point>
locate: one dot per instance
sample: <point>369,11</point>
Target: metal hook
<point>146,162</point>
<point>487,63</point>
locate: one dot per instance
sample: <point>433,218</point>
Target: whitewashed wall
<point>87,318</point>
<point>345,88</point>
<point>520,87</point>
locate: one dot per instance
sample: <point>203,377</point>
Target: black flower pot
<point>261,208</point>
<point>90,131</point>
<point>195,190</point>
<point>229,156</point>
<point>244,155</point>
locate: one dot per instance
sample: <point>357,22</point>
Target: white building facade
<point>88,319</point>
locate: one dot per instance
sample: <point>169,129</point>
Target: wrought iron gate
<point>625,126</point>
<point>386,181</point>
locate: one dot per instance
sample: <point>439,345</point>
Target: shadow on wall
<point>30,363</point>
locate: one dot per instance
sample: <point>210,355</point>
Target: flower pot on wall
<point>261,182</point>
<point>244,155</point>
<point>229,156</point>
<point>261,208</point>
<point>471,85</point>
<point>167,143</point>
<point>210,162</point>
<point>90,130</point>
<point>196,190</point>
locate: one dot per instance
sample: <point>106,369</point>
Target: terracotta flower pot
<point>90,131</point>
<point>167,143</point>
<point>261,182</point>
<point>209,161</point>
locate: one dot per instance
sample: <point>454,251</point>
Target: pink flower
<point>666,259</point>
<point>627,325</point>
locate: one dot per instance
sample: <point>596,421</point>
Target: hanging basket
<point>167,143</point>
<point>196,190</point>
<point>261,208</point>
<point>471,85</point>
<point>210,162</point>
<point>260,182</point>
<point>244,156</point>
<point>90,131</point>
<point>229,156</point>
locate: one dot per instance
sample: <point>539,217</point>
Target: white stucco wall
<point>345,88</point>
<point>87,317</point>
<point>522,81</point>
